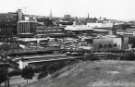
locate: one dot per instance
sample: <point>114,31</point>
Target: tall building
<point>88,15</point>
<point>26,27</point>
<point>26,24</point>
<point>20,14</point>
<point>67,16</point>
<point>50,16</point>
<point>8,22</point>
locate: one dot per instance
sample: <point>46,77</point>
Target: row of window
<point>107,45</point>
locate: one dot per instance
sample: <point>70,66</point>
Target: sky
<point>114,9</point>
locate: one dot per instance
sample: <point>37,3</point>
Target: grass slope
<point>93,74</point>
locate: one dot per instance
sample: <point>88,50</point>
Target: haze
<point>115,9</point>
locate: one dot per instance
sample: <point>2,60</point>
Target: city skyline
<point>113,9</point>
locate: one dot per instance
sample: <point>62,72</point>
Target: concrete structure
<point>22,64</point>
<point>78,28</point>
<point>107,42</point>
<point>67,16</point>
<point>20,14</point>
<point>100,25</point>
<point>44,58</point>
<point>125,42</point>
<point>129,32</point>
<point>49,30</point>
<point>8,22</point>
<point>90,26</point>
<point>26,27</point>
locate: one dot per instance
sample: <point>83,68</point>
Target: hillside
<point>92,74</point>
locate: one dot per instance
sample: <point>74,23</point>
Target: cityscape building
<point>8,24</point>
<point>26,27</point>
<point>20,14</point>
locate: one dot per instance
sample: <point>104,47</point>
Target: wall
<point>107,43</point>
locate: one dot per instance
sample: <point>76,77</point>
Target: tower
<point>87,19</point>
<point>50,16</point>
<point>88,16</point>
<point>20,14</point>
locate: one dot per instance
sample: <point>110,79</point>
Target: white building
<point>100,25</point>
<point>78,28</point>
<point>107,42</point>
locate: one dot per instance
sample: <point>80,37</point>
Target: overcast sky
<point>117,9</point>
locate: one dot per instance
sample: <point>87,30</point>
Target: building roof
<point>78,27</point>
<point>31,39</point>
<point>26,21</point>
<point>101,25</point>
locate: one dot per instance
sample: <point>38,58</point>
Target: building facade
<point>8,23</point>
<point>49,30</point>
<point>107,43</point>
<point>24,27</point>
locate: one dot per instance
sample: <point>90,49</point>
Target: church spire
<point>50,16</point>
<point>88,15</point>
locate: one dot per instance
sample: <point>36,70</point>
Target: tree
<point>27,73</point>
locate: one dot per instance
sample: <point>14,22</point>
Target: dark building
<point>8,23</point>
<point>46,21</point>
<point>67,16</point>
<point>64,23</point>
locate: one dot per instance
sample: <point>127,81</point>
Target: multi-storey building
<point>25,27</point>
<point>8,22</point>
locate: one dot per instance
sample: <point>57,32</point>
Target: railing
<point>33,50</point>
